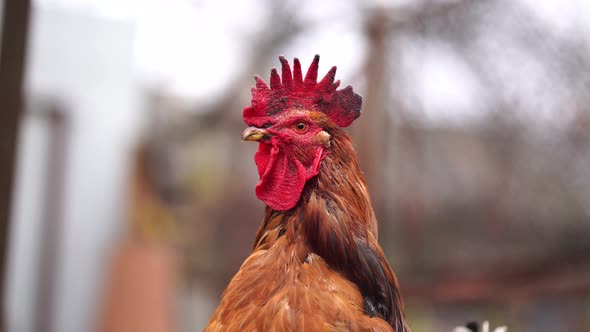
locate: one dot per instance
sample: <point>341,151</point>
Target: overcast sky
<point>190,48</point>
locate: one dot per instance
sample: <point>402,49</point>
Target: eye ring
<point>301,127</point>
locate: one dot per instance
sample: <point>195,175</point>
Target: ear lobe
<point>323,138</point>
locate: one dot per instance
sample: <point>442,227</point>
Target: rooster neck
<point>335,221</point>
<point>341,191</point>
<point>342,187</point>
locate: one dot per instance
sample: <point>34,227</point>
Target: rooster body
<point>316,263</point>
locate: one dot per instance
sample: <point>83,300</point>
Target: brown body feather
<point>318,266</point>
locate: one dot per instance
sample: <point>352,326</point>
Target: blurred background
<point>128,199</point>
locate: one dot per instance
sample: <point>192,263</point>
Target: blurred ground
<point>474,140</point>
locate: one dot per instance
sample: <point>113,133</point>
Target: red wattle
<point>282,176</point>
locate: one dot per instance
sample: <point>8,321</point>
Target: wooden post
<point>368,131</point>
<point>141,280</point>
<point>12,57</point>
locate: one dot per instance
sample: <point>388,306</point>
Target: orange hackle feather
<point>317,266</point>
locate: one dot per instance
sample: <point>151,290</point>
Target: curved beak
<point>255,134</point>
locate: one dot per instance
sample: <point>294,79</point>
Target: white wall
<point>26,222</point>
<point>86,64</point>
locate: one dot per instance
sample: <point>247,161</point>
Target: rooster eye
<point>301,127</point>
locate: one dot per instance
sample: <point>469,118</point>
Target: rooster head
<point>289,120</point>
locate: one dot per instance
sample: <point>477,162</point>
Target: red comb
<point>293,92</point>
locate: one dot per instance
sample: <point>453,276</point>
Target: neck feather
<point>336,219</point>
<point>342,186</point>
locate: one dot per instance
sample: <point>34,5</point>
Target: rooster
<point>316,263</point>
